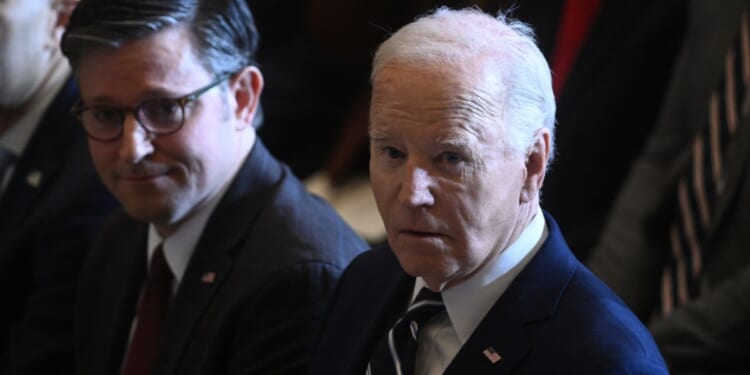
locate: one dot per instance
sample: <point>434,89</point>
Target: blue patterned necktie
<point>396,352</point>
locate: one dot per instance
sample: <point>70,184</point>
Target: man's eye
<point>162,112</point>
<point>392,152</point>
<point>451,158</point>
<point>106,115</point>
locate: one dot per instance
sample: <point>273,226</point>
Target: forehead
<point>162,63</point>
<point>440,103</point>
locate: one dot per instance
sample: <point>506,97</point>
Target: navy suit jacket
<point>555,318</point>
<point>276,253</point>
<point>49,214</point>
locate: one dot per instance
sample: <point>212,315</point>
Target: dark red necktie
<point>152,311</point>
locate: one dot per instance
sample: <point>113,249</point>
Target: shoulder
<point>364,302</point>
<point>371,280</point>
<point>605,330</point>
<point>373,266</point>
<point>573,319</point>
<point>304,227</point>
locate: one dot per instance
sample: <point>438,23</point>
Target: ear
<point>536,166</point>
<point>245,87</point>
<point>61,11</point>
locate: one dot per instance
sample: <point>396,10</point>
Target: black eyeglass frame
<point>78,110</point>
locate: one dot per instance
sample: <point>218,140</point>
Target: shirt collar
<point>18,134</point>
<point>468,302</point>
<point>179,247</point>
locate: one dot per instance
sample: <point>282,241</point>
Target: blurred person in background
<point>675,246</point>
<point>51,201</point>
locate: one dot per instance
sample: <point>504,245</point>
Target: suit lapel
<point>531,298</point>
<point>117,300</point>
<point>212,260</point>
<point>39,164</point>
<point>389,306</point>
<point>503,332</point>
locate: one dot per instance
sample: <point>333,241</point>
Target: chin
<point>147,212</point>
<point>427,266</point>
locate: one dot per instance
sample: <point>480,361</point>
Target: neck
<point>526,214</point>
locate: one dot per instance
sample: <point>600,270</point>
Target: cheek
<point>104,156</point>
<point>206,157</point>
<point>476,213</point>
<point>379,192</point>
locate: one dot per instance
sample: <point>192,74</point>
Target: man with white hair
<point>475,277</point>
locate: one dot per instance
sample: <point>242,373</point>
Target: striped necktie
<point>397,351</point>
<point>700,186</point>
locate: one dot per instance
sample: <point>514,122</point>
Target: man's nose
<point>416,189</point>
<point>136,141</point>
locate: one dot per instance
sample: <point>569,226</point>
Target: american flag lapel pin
<point>209,277</point>
<point>492,355</point>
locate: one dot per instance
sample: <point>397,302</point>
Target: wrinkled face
<point>446,185</point>
<point>162,179</point>
<point>26,47</point>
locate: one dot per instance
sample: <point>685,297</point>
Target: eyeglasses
<point>162,116</point>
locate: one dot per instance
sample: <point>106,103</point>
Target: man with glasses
<point>51,201</point>
<point>221,262</point>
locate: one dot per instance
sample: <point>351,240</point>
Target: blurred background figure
<point>51,202</point>
<point>675,246</point>
<point>611,61</point>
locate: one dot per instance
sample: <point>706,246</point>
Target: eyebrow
<point>150,94</point>
<point>455,140</point>
<point>377,135</point>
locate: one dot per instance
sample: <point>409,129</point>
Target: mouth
<point>421,233</point>
<point>142,177</point>
<point>142,173</point>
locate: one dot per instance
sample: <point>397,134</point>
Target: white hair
<point>452,38</point>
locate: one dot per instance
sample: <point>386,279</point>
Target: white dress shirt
<point>467,303</point>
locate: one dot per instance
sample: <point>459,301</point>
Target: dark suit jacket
<point>555,318</point>
<point>711,334</point>
<point>45,232</point>
<point>608,105</point>
<point>277,252</point>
